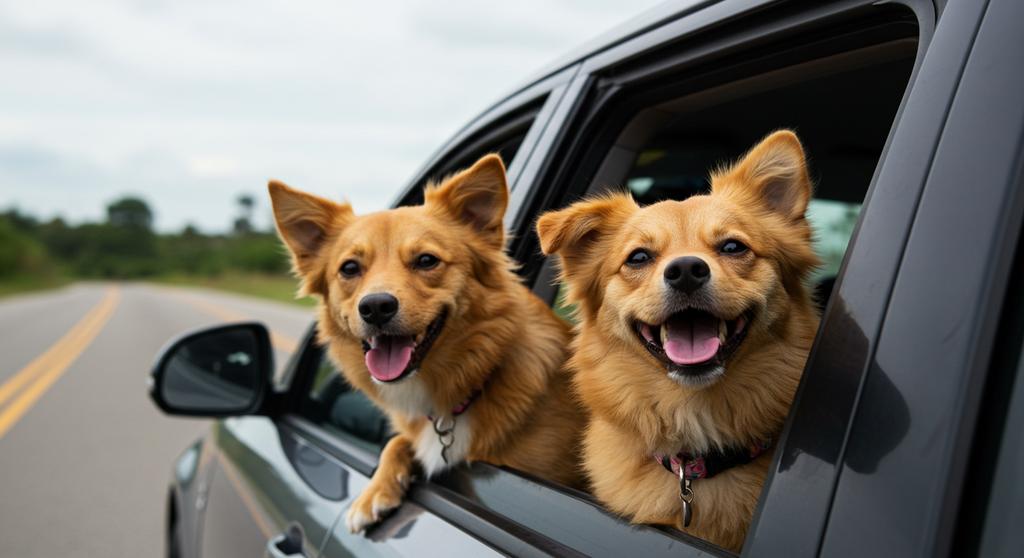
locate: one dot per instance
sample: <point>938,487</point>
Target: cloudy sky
<point>191,103</point>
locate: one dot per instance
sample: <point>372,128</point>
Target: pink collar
<point>464,406</point>
<point>697,466</point>
<point>688,467</point>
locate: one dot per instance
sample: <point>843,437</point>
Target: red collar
<point>705,466</point>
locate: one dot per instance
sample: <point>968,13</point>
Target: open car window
<point>662,141</point>
<point>329,401</point>
<point>669,148</point>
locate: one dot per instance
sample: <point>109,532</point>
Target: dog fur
<point>638,407</point>
<point>497,338</point>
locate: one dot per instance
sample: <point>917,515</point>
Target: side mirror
<point>214,372</point>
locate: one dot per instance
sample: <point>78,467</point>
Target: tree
<point>243,224</point>
<point>130,212</point>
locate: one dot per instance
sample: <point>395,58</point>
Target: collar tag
<point>690,467</point>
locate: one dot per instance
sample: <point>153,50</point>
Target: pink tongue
<point>389,357</point>
<point>692,339</point>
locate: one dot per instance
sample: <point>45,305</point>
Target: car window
<point>329,400</point>
<point>669,148</point>
<point>504,136</point>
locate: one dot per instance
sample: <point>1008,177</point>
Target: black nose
<point>687,274</point>
<point>377,309</point>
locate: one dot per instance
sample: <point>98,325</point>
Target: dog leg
<point>386,488</point>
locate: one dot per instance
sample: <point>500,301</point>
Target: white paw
<point>357,521</point>
<point>359,518</point>
<point>382,505</point>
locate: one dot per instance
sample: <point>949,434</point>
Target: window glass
<point>504,137</point>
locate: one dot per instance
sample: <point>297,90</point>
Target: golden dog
<point>421,310</point>
<point>695,326</point>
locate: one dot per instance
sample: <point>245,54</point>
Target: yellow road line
<point>46,369</point>
<point>282,342</point>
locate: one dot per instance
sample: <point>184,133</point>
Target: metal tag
<point>444,427</point>
<point>686,497</point>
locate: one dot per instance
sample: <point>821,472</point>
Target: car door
<point>266,490</point>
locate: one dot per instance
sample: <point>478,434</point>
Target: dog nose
<point>378,309</point>
<point>687,274</point>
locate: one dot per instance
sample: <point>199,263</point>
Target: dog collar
<point>705,466</point>
<point>444,425</point>
<point>464,406</point>
<point>689,467</point>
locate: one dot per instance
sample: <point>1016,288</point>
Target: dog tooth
<point>663,331</point>
<point>723,330</point>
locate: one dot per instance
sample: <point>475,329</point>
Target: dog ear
<point>306,223</point>
<point>477,196</point>
<point>575,234</point>
<point>773,173</point>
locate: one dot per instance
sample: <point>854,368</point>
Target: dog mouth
<point>392,358</point>
<point>694,343</point>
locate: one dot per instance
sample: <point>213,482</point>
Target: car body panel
<point>265,478</point>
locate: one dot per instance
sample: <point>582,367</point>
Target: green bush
<point>21,254</point>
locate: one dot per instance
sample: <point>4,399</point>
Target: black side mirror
<point>214,372</point>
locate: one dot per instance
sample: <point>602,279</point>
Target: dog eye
<point>427,261</point>
<point>350,268</point>
<point>733,247</point>
<point>638,257</point>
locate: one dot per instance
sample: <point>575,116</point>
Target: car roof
<point>650,19</point>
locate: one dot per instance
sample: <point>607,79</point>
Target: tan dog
<point>421,310</point>
<point>695,325</point>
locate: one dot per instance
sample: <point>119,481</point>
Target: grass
<point>274,287</point>
<point>19,284</point>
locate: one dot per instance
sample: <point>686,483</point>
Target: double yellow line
<point>32,381</point>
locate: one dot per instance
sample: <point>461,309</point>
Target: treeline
<point>125,246</point>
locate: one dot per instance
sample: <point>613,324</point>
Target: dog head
<point>395,282</point>
<point>690,287</point>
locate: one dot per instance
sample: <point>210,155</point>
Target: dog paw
<point>372,505</point>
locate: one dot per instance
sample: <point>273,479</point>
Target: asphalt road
<point>84,455</point>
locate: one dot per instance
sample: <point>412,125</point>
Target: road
<point>84,455</point>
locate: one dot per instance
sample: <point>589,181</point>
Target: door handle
<point>287,544</point>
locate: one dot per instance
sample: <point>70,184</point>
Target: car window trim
<point>488,525</point>
<point>544,93</point>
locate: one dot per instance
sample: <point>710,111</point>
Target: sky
<point>189,104</point>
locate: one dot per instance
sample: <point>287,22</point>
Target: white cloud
<point>191,103</point>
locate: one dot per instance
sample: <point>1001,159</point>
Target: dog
<point>695,324</point>
<point>422,311</point>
